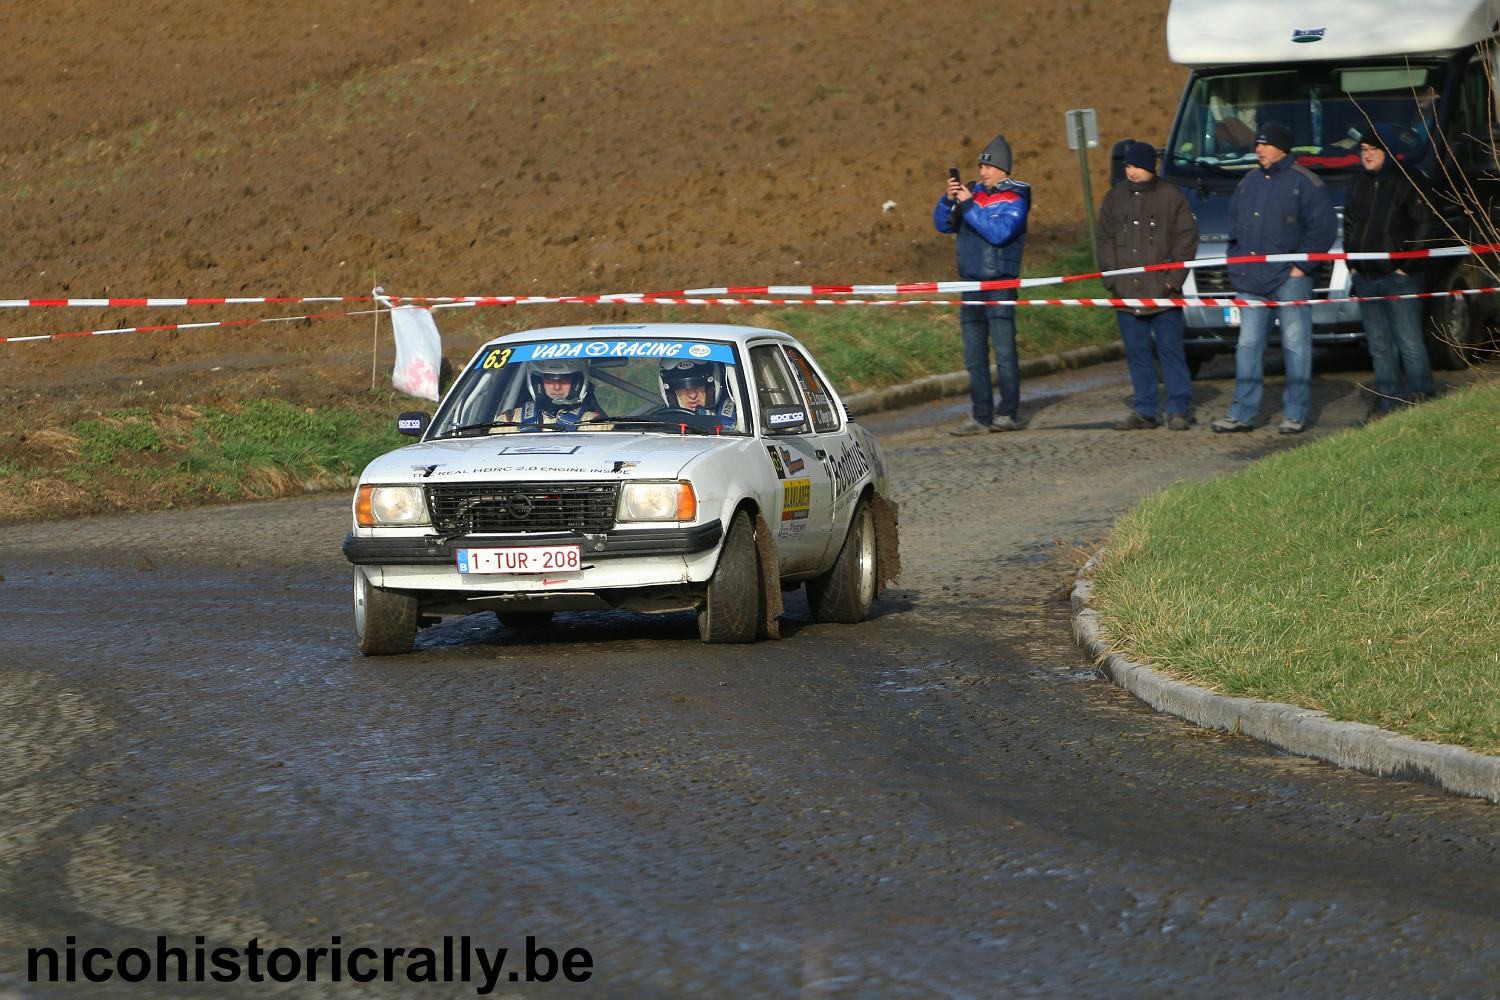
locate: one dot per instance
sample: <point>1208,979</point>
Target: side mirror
<point>412,424</point>
<point>788,419</point>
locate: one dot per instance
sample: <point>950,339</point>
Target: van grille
<point>1215,280</point>
<point>478,508</point>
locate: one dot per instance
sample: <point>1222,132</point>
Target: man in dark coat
<point>1278,208</point>
<point>1144,220</point>
<point>1386,211</point>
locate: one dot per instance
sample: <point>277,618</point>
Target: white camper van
<point>1328,69</point>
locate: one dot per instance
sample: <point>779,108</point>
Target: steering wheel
<point>681,415</point>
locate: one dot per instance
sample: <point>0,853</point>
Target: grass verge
<point>1355,576</point>
<point>140,459</point>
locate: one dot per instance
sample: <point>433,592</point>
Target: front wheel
<point>846,591</point>
<point>732,609</point>
<point>385,621</point>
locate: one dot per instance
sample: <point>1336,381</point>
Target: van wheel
<point>385,621</point>
<point>1456,333</point>
<point>732,609</point>
<point>846,591</point>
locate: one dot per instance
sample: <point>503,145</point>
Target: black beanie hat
<point>1140,154</point>
<point>1274,134</point>
<point>997,154</point>
<point>1372,137</point>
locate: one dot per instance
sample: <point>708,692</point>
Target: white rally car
<point>655,467</point>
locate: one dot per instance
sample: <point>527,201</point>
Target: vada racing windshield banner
<point>600,349</point>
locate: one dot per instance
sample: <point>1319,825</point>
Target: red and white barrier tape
<point>769,295</point>
<point>801,291</point>
<point>639,299</point>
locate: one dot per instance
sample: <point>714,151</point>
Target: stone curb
<point>1301,731</point>
<point>930,387</point>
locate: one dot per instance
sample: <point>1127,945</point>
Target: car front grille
<point>468,508</point>
<point>1215,280</point>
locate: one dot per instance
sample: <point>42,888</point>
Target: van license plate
<point>531,559</point>
<point>1231,315</point>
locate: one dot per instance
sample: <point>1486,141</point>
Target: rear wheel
<point>732,609</point>
<point>1456,333</point>
<point>385,621</point>
<point>846,591</point>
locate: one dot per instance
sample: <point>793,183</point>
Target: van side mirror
<point>412,424</point>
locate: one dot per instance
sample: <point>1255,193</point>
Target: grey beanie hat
<point>997,154</point>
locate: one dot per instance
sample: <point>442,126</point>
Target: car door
<point>841,453</point>
<point>801,513</point>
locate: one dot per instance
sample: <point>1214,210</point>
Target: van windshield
<point>1326,107</point>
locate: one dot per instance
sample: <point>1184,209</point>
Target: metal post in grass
<point>375,334</point>
<point>1083,135</point>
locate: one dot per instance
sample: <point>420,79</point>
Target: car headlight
<point>657,502</point>
<point>377,506</point>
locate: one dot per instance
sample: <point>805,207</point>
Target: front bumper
<point>435,550</point>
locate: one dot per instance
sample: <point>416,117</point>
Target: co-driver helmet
<point>578,390</point>
<point>684,373</point>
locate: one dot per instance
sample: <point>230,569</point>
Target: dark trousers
<point>983,326</point>
<point>1164,331</point>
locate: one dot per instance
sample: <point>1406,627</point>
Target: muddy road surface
<point>944,801</point>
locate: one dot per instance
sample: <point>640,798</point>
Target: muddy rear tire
<point>731,611</point>
<point>845,593</point>
<point>385,621</point>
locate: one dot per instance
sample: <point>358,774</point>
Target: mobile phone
<point>953,173</point>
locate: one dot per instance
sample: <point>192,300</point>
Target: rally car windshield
<point>640,385</point>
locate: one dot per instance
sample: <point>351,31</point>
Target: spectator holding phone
<point>989,220</point>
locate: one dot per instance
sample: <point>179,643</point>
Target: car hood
<point>562,456</point>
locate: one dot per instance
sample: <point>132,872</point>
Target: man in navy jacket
<point>990,220</point>
<point>1280,208</point>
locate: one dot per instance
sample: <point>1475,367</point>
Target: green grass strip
<point>1355,575</point>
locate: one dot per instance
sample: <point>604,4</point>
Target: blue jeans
<point>982,326</point>
<point>1296,352</point>
<point>1165,330</point>
<point>1393,333</point>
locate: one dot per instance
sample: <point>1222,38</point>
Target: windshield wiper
<point>486,425</point>
<point>676,426</point>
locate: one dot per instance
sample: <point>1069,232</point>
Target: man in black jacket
<point>1386,211</point>
<point>1142,221</point>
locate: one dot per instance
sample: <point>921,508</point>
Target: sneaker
<point>968,427</point>
<point>1178,422</point>
<point>1290,426</point>
<point>1229,425</point>
<point>1003,423</point>
<point>1134,421</point>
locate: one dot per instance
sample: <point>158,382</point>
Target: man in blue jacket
<point>990,220</point>
<point>1280,208</point>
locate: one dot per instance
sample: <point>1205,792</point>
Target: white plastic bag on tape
<point>419,352</point>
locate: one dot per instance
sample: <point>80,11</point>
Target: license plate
<point>531,559</point>
<point>1231,315</point>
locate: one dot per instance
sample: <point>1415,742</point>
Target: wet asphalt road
<point>944,801</point>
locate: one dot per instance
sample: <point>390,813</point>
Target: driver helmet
<point>683,373</point>
<point>578,391</point>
